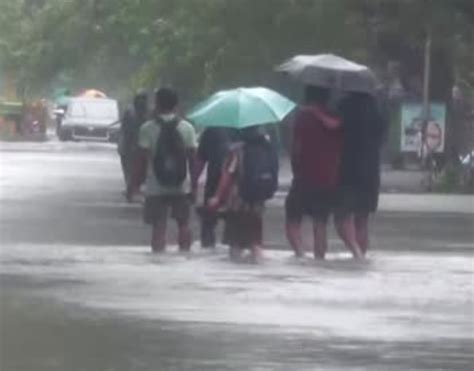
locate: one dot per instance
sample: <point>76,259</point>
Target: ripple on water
<point>392,295</point>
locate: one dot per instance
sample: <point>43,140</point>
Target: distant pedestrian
<point>315,155</point>
<point>364,126</point>
<point>249,178</point>
<point>132,119</point>
<point>214,145</point>
<point>167,146</point>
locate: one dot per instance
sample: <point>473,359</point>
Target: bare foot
<point>358,254</point>
<point>299,253</point>
<point>318,256</point>
<point>257,254</point>
<point>235,253</point>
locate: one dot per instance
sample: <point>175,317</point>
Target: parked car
<point>89,119</point>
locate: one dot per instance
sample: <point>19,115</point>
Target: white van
<point>89,119</point>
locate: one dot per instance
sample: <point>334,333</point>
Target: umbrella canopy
<point>240,108</point>
<point>330,71</point>
<point>62,100</point>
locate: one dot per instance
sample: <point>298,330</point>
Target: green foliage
<point>397,31</point>
<point>202,45</point>
<point>454,179</point>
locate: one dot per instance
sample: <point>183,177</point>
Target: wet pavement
<point>80,290</point>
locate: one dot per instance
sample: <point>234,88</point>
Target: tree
<point>204,45</point>
<point>398,30</point>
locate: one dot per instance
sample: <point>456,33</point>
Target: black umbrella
<point>330,71</point>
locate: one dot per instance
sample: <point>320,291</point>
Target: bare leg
<point>257,246</point>
<point>184,237</point>
<point>362,231</point>
<point>158,237</point>
<point>208,230</point>
<point>232,233</point>
<point>346,229</point>
<point>320,239</point>
<point>235,253</point>
<point>293,234</point>
<point>125,160</point>
<point>257,253</point>
<point>341,230</point>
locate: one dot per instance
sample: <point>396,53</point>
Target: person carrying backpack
<point>214,145</point>
<point>249,178</point>
<point>165,160</point>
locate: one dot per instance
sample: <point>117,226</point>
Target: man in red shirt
<point>316,152</point>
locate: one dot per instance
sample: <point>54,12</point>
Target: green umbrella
<point>61,96</point>
<point>63,100</point>
<point>240,108</point>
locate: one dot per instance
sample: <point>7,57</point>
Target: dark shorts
<point>244,229</point>
<point>304,201</point>
<point>353,200</point>
<point>158,208</point>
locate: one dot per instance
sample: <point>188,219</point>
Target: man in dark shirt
<point>213,147</point>
<point>364,126</point>
<point>132,120</point>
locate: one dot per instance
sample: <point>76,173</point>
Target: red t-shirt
<point>317,147</point>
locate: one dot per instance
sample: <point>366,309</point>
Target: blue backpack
<point>258,173</point>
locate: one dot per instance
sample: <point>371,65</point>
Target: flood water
<point>203,312</point>
<point>81,291</point>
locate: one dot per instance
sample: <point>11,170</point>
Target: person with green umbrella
<point>249,178</point>
<point>214,144</point>
<point>250,173</point>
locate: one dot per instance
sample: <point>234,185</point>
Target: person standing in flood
<point>132,119</point>
<point>364,127</point>
<point>214,145</point>
<point>315,157</point>
<point>249,178</point>
<point>166,160</point>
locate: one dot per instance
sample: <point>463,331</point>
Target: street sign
<point>412,123</point>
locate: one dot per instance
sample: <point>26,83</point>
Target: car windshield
<point>95,109</point>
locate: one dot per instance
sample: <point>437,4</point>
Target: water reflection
<point>396,296</point>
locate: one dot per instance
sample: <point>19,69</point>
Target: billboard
<point>411,126</point>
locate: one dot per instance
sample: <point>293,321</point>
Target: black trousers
<point>208,229</point>
<point>209,220</point>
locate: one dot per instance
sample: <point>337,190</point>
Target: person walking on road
<point>249,178</point>
<point>214,145</point>
<point>166,159</point>
<point>315,155</point>
<point>364,126</point>
<point>132,120</point>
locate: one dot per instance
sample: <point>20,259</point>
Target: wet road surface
<point>80,290</point>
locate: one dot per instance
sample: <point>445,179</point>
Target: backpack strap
<point>237,150</point>
<point>174,122</point>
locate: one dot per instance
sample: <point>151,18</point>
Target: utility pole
<point>426,106</point>
<point>426,88</point>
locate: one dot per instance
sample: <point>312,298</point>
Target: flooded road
<point>80,291</point>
